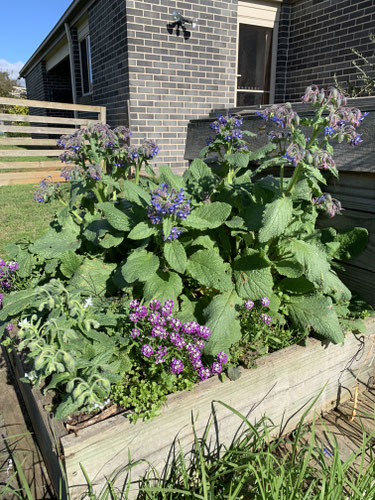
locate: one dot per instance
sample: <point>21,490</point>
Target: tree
<point>6,84</point>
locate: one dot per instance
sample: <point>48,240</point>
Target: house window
<point>257,40</point>
<point>86,72</point>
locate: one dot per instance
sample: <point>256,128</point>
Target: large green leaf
<point>116,218</point>
<point>352,243</point>
<point>262,152</point>
<point>56,243</point>
<point>312,259</point>
<point>26,263</point>
<point>168,177</point>
<point>136,194</point>
<point>142,231</point>
<point>253,277</point>
<point>92,276</point>
<point>141,265</point>
<point>276,217</point>
<point>96,229</point>
<point>332,285</point>
<point>16,302</point>
<point>70,262</point>
<point>289,268</point>
<point>221,319</point>
<point>252,215</point>
<point>208,268</point>
<point>162,286</point>
<point>240,159</point>
<point>208,216</point>
<point>198,171</point>
<point>111,240</point>
<point>316,312</point>
<point>296,285</point>
<point>175,255</point>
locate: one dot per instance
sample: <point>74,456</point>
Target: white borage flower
<point>88,302</point>
<point>24,323</point>
<point>30,376</point>
<point>9,466</point>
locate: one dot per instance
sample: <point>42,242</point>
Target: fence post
<point>103,114</point>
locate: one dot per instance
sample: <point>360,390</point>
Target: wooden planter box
<point>281,387</point>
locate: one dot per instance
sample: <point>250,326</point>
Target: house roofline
<point>57,32</point>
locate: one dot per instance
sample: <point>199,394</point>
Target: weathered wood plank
<point>359,280</point>
<point>281,387</point>
<point>355,190</point>
<point>25,141</point>
<point>8,178</point>
<point>348,220</point>
<point>30,152</point>
<point>37,130</point>
<point>17,435</point>
<point>18,165</point>
<point>47,431</point>
<point>49,105</point>
<point>45,119</point>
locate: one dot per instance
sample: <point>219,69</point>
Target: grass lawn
<point>22,158</point>
<point>21,216</point>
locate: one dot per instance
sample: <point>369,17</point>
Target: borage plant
<point>210,241</point>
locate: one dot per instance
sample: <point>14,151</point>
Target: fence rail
<point>29,170</point>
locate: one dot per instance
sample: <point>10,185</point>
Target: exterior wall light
<point>180,20</point>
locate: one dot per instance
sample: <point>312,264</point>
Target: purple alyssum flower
<point>264,301</point>
<point>204,373</point>
<point>135,332</point>
<point>249,304</point>
<point>216,367</point>
<point>147,350</point>
<point>176,366</point>
<point>265,318</point>
<point>222,357</point>
<point>9,327</point>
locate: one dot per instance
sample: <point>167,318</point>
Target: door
<point>256,49</point>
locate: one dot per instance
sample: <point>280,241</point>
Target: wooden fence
<point>28,172</point>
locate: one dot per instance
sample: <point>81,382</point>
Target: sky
<point>24,25</point>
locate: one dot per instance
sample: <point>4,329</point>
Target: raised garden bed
<point>281,387</point>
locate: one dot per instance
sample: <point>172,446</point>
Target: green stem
<point>97,194</point>
<point>137,171</point>
<point>74,212</point>
<point>295,177</point>
<point>282,178</point>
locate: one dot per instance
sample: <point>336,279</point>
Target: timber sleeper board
<point>282,387</point>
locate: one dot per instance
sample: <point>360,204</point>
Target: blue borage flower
<point>328,204</point>
<point>227,127</point>
<point>168,203</point>
<point>46,190</point>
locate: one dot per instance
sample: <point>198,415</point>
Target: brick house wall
<point>109,59</point>
<point>173,79</point>
<point>321,35</point>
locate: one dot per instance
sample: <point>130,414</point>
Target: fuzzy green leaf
<point>16,302</point>
<point>208,216</point>
<point>240,159</point>
<point>168,177</point>
<point>289,268</point>
<point>276,217</point>
<point>26,263</point>
<point>92,275</point>
<point>221,319</point>
<point>56,243</point>
<point>136,194</point>
<point>141,231</point>
<point>111,240</point>
<point>262,152</point>
<point>312,259</point>
<point>296,285</point>
<point>116,218</point>
<point>70,262</point>
<point>208,268</point>
<point>332,285</point>
<point>316,312</point>
<point>197,171</point>
<point>253,277</point>
<point>175,255</point>
<point>162,286</point>
<point>352,243</point>
<point>141,265</point>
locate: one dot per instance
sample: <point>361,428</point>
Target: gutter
<point>46,45</point>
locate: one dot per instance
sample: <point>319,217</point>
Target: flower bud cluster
<point>332,96</point>
<point>167,202</point>
<point>94,172</point>
<point>165,339</point>
<point>46,190</point>
<point>282,114</point>
<point>7,274</point>
<point>227,128</point>
<point>328,204</point>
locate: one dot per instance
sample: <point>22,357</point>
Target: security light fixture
<point>180,20</point>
